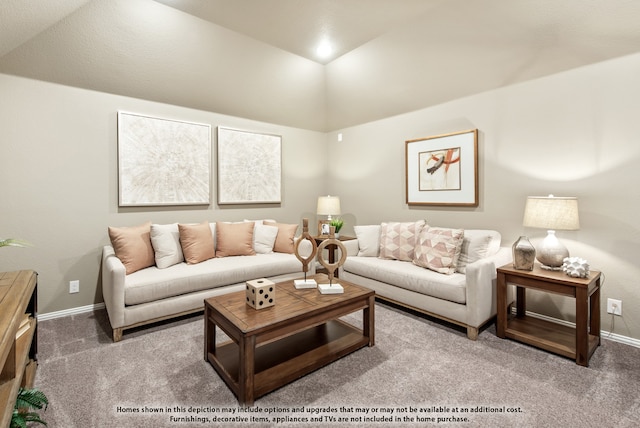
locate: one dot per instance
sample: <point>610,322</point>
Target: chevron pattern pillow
<point>438,249</point>
<point>398,240</point>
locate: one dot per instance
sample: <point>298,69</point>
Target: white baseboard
<point>69,312</point>
<point>604,334</point>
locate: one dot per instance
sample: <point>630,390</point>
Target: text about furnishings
<point>310,415</point>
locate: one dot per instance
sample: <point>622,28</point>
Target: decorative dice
<point>261,293</point>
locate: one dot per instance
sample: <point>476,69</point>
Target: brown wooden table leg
<point>368,321</point>
<point>594,310</point>
<point>501,290</point>
<point>247,366</point>
<point>582,335</point>
<point>521,301</point>
<point>207,334</point>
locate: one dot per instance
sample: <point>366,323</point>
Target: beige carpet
<point>418,370</point>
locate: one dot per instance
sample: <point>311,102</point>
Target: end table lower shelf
<point>547,335</point>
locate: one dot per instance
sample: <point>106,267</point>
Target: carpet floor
<point>420,373</point>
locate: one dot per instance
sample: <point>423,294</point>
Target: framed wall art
<point>162,161</point>
<point>443,170</point>
<point>249,167</point>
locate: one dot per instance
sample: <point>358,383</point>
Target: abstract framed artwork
<point>162,161</point>
<point>443,170</point>
<point>249,167</point>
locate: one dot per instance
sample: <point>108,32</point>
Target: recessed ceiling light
<point>324,49</point>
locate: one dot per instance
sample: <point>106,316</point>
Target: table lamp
<point>551,213</point>
<point>329,206</point>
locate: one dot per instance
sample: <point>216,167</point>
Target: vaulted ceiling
<point>256,58</point>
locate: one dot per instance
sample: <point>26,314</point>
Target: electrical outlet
<point>614,307</point>
<point>74,286</point>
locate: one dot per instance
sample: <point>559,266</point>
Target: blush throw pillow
<point>165,239</point>
<point>196,241</point>
<point>284,240</point>
<point>438,249</point>
<point>132,246</point>
<point>234,239</point>
<point>398,240</point>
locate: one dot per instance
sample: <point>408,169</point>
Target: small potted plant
<point>337,223</point>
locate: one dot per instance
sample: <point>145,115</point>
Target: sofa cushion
<point>165,239</point>
<point>368,240</point>
<point>398,240</point>
<point>438,248</point>
<point>477,244</point>
<point>411,277</point>
<point>284,240</point>
<point>234,239</point>
<point>152,284</point>
<point>196,241</point>
<point>132,246</point>
<point>264,238</point>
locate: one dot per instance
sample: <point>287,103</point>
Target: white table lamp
<point>329,206</point>
<point>551,213</point>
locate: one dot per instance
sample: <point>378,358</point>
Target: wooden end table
<point>577,343</point>
<point>273,346</point>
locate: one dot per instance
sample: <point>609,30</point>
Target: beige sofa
<point>174,279</point>
<point>406,263</point>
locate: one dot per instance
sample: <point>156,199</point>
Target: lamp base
<point>552,252</point>
<point>545,267</point>
<point>330,288</point>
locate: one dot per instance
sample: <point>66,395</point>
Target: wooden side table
<point>332,248</point>
<point>577,343</point>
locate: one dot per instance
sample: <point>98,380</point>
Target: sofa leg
<point>117,334</point>
<point>472,333</point>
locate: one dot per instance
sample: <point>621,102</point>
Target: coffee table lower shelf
<point>547,335</point>
<point>282,361</point>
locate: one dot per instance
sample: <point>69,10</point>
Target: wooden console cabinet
<point>18,337</point>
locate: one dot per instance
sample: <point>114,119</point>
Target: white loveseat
<point>154,272</point>
<point>383,258</point>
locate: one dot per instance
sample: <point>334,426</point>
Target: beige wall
<point>59,181</point>
<point>571,134</point>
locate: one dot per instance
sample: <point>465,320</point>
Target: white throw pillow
<point>165,239</point>
<point>368,240</point>
<point>264,237</point>
<point>477,244</point>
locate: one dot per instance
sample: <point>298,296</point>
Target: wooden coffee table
<point>273,346</point>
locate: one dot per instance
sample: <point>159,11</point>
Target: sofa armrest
<point>113,277</point>
<point>481,286</point>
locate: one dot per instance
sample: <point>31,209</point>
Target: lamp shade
<point>551,212</point>
<point>328,205</point>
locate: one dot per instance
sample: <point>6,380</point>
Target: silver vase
<point>524,254</point>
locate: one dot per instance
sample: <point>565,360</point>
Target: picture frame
<point>442,170</point>
<point>162,161</point>
<point>324,227</point>
<point>249,167</point>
